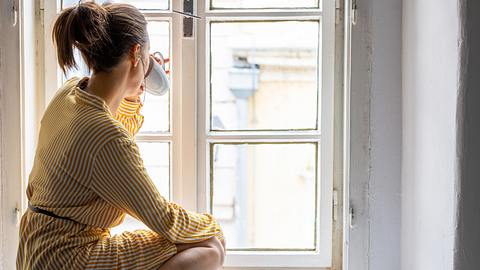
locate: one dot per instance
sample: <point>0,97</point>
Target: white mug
<point>156,81</point>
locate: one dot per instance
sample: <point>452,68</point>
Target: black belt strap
<point>45,212</point>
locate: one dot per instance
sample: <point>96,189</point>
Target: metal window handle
<point>190,15</point>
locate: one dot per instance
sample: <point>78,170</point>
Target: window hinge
<point>354,10</point>
<point>17,215</point>
<point>338,11</point>
<point>335,205</point>
<point>14,13</point>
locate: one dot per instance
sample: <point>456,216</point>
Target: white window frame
<point>189,172</point>
<point>322,257</point>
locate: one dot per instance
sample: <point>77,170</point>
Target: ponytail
<point>103,34</point>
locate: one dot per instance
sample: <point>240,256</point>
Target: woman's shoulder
<point>83,115</point>
<point>102,125</point>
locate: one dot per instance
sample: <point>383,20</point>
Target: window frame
<point>189,175</point>
<point>326,15</point>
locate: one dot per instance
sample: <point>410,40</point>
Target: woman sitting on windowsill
<point>88,172</point>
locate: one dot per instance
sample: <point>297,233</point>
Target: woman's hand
<point>162,61</point>
<point>136,97</point>
<point>159,58</point>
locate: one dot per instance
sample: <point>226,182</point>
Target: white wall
<point>359,229</point>
<point>376,136</point>
<point>430,85</point>
<point>385,135</point>
<point>16,91</point>
<point>10,141</point>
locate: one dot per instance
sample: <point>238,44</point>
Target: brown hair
<point>103,34</point>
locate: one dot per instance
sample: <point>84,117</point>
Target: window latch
<point>190,15</point>
<point>188,20</point>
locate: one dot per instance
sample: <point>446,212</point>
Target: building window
<point>246,132</point>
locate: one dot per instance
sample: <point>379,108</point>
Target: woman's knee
<point>217,247</point>
<point>214,255</point>
<point>211,250</point>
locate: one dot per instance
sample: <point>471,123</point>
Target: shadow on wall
<point>467,246</point>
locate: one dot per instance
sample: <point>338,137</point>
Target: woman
<point>88,172</point>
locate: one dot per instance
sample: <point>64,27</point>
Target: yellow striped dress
<point>88,168</point>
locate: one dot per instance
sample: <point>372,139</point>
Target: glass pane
<point>156,109</point>
<point>140,4</point>
<point>156,157</point>
<point>240,4</point>
<point>81,70</point>
<point>264,75</point>
<point>262,191</point>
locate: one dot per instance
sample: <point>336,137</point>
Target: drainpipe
<point>243,82</point>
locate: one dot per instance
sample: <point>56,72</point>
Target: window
<point>246,132</point>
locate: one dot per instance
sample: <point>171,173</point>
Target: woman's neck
<point>111,87</point>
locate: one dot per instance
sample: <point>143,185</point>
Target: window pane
<point>81,70</point>
<point>264,194</point>
<point>156,157</point>
<point>156,109</point>
<point>140,4</point>
<point>264,75</point>
<point>264,4</point>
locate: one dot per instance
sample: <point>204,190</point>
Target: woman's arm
<point>120,178</point>
<point>128,113</point>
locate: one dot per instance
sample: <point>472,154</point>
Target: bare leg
<point>206,255</point>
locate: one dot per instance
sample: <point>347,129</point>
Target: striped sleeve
<point>120,178</point>
<point>128,113</point>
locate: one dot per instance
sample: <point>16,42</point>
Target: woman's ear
<point>135,54</point>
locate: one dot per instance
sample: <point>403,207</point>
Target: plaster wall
<point>385,135</point>
<point>430,85</point>
<point>376,137</point>
<point>18,103</point>
<point>10,140</point>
